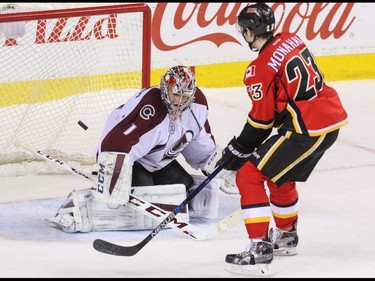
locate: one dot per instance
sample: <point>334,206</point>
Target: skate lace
<point>252,248</point>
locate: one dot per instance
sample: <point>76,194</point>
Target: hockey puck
<point>82,125</point>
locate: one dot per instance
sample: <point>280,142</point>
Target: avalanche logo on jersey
<point>178,146</point>
<point>147,112</point>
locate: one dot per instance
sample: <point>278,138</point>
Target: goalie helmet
<point>178,88</point>
<point>258,17</point>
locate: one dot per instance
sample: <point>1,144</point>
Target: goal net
<point>62,72</point>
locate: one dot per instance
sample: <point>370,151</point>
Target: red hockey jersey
<point>287,90</point>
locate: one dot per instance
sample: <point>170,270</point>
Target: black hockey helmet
<point>258,17</point>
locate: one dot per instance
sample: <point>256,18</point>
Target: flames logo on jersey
<point>178,146</point>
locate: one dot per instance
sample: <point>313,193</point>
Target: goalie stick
<point>150,210</point>
<point>117,250</point>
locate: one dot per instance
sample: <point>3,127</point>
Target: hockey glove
<point>235,155</point>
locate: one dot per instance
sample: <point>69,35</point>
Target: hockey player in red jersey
<point>137,152</point>
<point>288,92</point>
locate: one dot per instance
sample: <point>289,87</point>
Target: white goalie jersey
<point>138,128</point>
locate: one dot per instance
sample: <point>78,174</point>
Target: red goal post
<point>62,72</point>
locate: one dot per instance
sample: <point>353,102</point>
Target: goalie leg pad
<point>205,204</point>
<point>83,212</point>
<point>114,178</point>
<point>166,197</point>
<point>74,214</point>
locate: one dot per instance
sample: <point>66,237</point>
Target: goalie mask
<point>178,88</point>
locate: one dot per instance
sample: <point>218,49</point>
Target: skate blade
<point>285,252</point>
<point>251,270</point>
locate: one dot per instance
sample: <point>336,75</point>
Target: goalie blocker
<point>105,208</point>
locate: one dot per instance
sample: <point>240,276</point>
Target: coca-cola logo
<point>298,18</point>
<point>300,13</point>
<point>307,13</point>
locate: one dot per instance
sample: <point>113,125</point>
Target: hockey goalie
<point>137,153</point>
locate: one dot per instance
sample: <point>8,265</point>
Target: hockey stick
<point>192,231</point>
<point>150,210</point>
<point>113,249</point>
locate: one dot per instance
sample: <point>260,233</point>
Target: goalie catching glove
<point>235,155</point>
<point>226,178</point>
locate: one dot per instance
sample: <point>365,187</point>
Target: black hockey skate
<point>284,242</point>
<point>255,260</point>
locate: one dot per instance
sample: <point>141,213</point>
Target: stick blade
<point>115,250</point>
